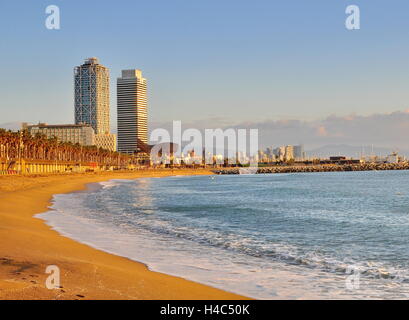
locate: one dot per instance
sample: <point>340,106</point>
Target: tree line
<point>22,145</point>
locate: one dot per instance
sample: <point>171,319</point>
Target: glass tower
<point>91,82</point>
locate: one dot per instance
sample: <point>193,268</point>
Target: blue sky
<point>236,61</point>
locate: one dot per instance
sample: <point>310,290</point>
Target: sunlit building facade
<point>132,112</point>
<point>91,82</point>
<point>73,133</point>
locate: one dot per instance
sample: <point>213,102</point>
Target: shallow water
<point>278,236</point>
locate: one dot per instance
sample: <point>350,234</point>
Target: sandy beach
<point>28,246</point>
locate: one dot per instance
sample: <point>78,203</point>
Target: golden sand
<point>28,246</point>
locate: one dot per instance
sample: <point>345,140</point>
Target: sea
<point>332,235</point>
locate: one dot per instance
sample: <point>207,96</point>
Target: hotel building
<point>132,112</point>
<point>91,101</point>
<point>74,133</point>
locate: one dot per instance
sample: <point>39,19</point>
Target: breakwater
<point>318,168</point>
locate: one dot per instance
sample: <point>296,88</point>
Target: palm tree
<point>38,147</point>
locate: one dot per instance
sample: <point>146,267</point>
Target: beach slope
<point>28,246</point>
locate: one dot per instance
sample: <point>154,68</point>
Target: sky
<point>267,64</point>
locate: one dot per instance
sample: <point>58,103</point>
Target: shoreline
<point>29,245</point>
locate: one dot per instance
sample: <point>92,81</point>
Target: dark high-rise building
<point>132,112</point>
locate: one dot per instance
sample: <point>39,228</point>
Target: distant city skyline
<point>292,66</point>
<point>387,132</point>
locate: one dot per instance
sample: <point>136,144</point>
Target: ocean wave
<point>282,252</point>
<point>109,184</point>
<point>114,183</point>
<point>162,211</point>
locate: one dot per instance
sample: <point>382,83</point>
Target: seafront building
<point>91,101</point>
<point>132,104</point>
<point>289,153</point>
<point>279,153</point>
<point>299,153</point>
<point>82,134</point>
<point>283,154</point>
<point>106,141</point>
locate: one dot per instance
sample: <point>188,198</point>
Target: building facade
<point>74,133</point>
<point>91,100</point>
<point>280,153</point>
<point>289,153</point>
<point>132,104</point>
<point>106,141</point>
<point>299,153</point>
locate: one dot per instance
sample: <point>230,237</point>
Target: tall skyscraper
<point>91,81</point>
<point>132,112</point>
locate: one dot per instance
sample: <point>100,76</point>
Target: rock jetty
<point>319,168</point>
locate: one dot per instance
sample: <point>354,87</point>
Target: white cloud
<point>387,130</point>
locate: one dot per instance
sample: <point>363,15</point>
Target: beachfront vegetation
<point>21,145</point>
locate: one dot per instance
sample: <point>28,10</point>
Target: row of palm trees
<point>22,145</point>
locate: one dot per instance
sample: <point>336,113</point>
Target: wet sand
<point>28,246</point>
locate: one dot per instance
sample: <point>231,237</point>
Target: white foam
<point>224,269</point>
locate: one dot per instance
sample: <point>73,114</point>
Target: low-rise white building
<point>74,133</point>
<point>82,134</point>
